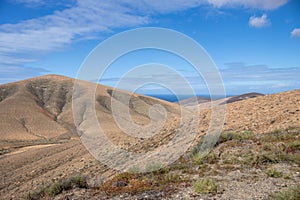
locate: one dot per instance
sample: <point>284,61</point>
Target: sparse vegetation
<point>292,193</point>
<point>233,151</point>
<point>209,158</point>
<point>154,167</point>
<point>274,173</point>
<point>231,135</point>
<point>265,149</point>
<point>137,183</point>
<point>57,188</point>
<point>205,186</point>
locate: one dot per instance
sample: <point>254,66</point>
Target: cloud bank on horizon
<point>27,41</point>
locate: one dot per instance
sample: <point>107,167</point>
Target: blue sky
<point>255,44</point>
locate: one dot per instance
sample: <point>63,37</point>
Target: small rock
<point>119,184</point>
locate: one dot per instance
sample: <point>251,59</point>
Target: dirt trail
<point>24,149</point>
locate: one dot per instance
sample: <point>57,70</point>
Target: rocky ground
<point>42,158</point>
<point>259,115</point>
<point>241,166</point>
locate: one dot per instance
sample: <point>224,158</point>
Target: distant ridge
<point>243,97</point>
<point>192,101</point>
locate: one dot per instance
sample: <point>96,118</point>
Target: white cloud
<point>86,19</point>
<point>89,18</point>
<point>44,3</point>
<point>255,4</point>
<point>296,32</point>
<point>157,6</point>
<point>259,22</point>
<point>53,32</point>
<point>239,77</point>
<point>13,73</point>
<point>29,1</point>
<point>166,6</point>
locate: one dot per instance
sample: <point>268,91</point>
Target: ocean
<point>174,98</point>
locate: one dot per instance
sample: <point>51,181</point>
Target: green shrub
<point>266,157</point>
<point>205,186</point>
<point>293,147</point>
<point>134,170</point>
<point>274,173</point>
<point>35,195</point>
<point>57,188</point>
<point>78,181</point>
<point>170,178</point>
<point>155,167</point>
<point>292,193</point>
<point>224,137</point>
<point>203,158</point>
<point>227,136</point>
<point>295,158</point>
<point>277,131</point>
<point>53,189</point>
<point>205,144</point>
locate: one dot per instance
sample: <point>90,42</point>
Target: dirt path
<point>24,149</point>
<point>35,166</point>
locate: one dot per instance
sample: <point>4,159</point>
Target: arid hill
<point>38,140</point>
<point>193,101</point>
<point>41,108</point>
<point>260,114</point>
<point>40,146</point>
<point>243,97</point>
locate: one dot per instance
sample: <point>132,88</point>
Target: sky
<point>254,44</point>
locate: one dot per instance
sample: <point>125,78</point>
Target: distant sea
<point>174,98</point>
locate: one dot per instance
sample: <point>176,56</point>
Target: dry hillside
<point>38,138</point>
<point>259,115</point>
<point>39,145</point>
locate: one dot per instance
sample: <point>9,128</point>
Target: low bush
<point>210,158</point>
<point>274,173</point>
<point>57,188</point>
<point>292,193</point>
<point>205,186</point>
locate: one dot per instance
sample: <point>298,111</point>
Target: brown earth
<point>196,100</point>
<point>259,115</point>
<point>39,144</point>
<point>38,139</point>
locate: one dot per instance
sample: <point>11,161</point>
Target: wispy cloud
<point>259,22</point>
<point>43,3</point>
<point>29,1</point>
<point>296,32</point>
<point>87,19</point>
<point>11,73</point>
<point>255,4</point>
<point>25,41</point>
<point>55,31</point>
<point>237,78</point>
<point>261,78</point>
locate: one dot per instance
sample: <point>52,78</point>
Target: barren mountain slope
<point>38,113</point>
<point>38,139</point>
<point>243,97</point>
<point>259,115</point>
<point>194,101</point>
<point>41,108</point>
